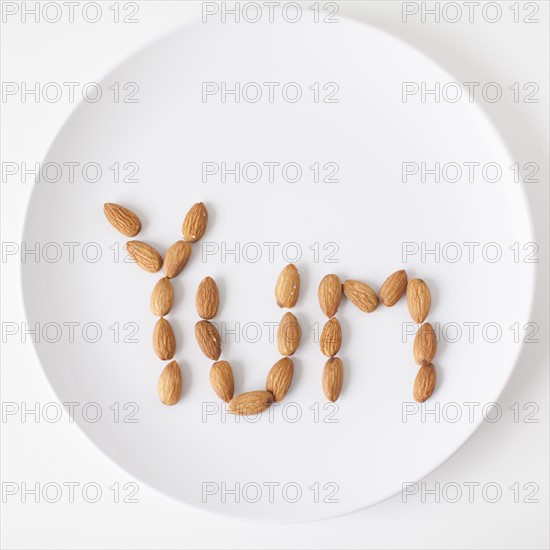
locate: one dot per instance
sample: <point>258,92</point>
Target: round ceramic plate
<point>315,117</point>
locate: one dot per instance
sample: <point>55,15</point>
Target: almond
<point>289,334</point>
<point>333,377</point>
<point>287,288</point>
<point>393,288</point>
<point>164,341</point>
<point>362,295</point>
<point>169,384</point>
<point>424,382</point>
<point>221,380</point>
<point>162,297</point>
<point>425,344</point>
<point>419,300</point>
<point>144,255</point>
<point>207,298</point>
<point>176,258</point>
<point>330,293</point>
<point>208,339</point>
<point>122,219</point>
<point>195,222</point>
<point>279,378</point>
<point>331,338</point>
<point>252,402</point>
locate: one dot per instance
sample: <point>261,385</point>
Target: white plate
<point>370,451</point>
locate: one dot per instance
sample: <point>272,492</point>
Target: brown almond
<point>419,300</point>
<point>176,258</point>
<point>330,293</point>
<point>122,219</point>
<point>362,295</point>
<point>424,382</point>
<point>164,341</point>
<point>331,338</point>
<point>333,378</point>
<point>144,255</point>
<point>289,334</point>
<point>208,339</point>
<point>170,383</point>
<point>279,378</point>
<point>195,222</point>
<point>252,402</point>
<point>425,344</point>
<point>207,299</point>
<point>393,288</point>
<point>287,288</point>
<point>222,381</point>
<point>162,297</point>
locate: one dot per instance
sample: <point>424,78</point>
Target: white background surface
<point>504,452</point>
